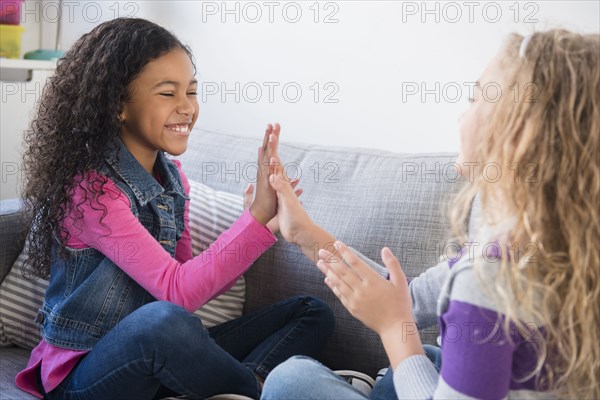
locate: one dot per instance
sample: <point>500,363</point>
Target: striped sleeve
<point>424,292</point>
<point>477,355</point>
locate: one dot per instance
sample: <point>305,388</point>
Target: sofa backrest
<point>366,198</point>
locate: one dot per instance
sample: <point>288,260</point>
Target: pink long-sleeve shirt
<point>184,280</point>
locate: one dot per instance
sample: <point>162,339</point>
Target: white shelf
<point>10,63</point>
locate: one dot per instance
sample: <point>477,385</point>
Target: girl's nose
<point>186,106</point>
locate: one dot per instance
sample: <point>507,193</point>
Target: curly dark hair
<point>76,125</point>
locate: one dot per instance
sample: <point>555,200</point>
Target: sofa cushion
<point>366,198</point>
<point>11,224</point>
<point>12,360</point>
<point>211,212</point>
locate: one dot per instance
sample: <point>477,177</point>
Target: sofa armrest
<point>11,229</point>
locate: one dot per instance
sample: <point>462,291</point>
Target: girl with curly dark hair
<point>110,229</point>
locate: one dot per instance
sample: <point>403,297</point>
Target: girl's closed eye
<point>192,93</point>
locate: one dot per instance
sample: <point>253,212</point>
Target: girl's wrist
<point>261,219</point>
<point>399,326</point>
<point>306,234</point>
<point>401,340</point>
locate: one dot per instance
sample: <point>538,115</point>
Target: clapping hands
<point>263,206</point>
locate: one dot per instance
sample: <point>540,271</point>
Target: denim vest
<point>88,293</point>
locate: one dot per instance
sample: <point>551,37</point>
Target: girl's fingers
<point>293,184</point>
<point>335,290</point>
<point>277,177</point>
<point>273,140</point>
<point>249,195</point>
<point>276,167</point>
<point>274,162</point>
<point>272,146</point>
<point>266,137</point>
<point>342,270</point>
<point>338,281</point>
<point>322,267</point>
<point>279,183</point>
<point>270,142</point>
<point>393,266</point>
<point>357,265</point>
<point>327,255</point>
<point>273,143</point>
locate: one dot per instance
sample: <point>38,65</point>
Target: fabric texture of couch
<point>366,198</point>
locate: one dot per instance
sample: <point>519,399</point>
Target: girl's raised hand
<point>380,304</point>
<point>264,207</point>
<point>273,224</point>
<point>291,216</point>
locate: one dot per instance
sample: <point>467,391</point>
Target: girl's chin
<point>176,149</point>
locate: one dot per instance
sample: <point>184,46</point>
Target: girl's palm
<point>291,216</point>
<point>264,207</point>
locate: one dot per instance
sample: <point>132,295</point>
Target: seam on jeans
<point>274,348</point>
<point>179,383</point>
<point>258,386</point>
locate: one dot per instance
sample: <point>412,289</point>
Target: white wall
<point>367,57</point>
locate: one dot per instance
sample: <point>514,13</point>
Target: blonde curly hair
<point>547,136</point>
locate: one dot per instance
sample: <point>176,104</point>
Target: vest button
<point>39,318</point>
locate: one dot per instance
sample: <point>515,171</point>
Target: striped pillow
<point>20,299</point>
<point>211,212</point>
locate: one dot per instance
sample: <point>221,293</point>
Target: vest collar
<point>143,185</point>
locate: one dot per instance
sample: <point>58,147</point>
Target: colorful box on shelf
<point>10,12</point>
<point>10,40</point>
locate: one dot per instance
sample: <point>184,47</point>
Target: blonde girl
<point>519,320</point>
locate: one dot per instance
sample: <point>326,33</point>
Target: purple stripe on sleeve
<point>477,357</point>
<point>454,260</point>
<point>524,362</point>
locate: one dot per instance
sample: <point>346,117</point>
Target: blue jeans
<point>304,378</point>
<point>161,350</point>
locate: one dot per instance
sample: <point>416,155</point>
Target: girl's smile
<point>181,129</point>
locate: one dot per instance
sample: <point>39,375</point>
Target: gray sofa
<point>366,198</point>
